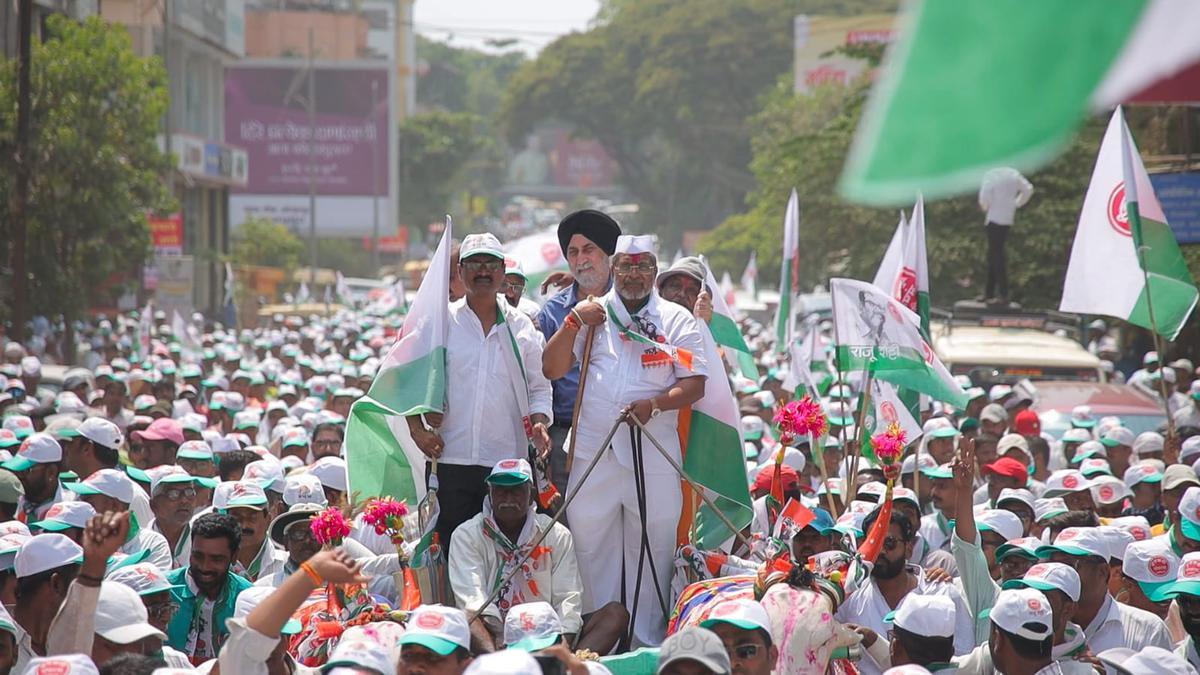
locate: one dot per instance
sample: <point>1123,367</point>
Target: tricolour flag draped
<point>381,458</point>
<point>713,457</point>
<point>789,274</point>
<point>956,96</point>
<point>1120,212</point>
<point>877,333</point>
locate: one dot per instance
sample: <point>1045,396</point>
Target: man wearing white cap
<point>647,358</point>
<point>123,627</point>
<point>436,642</point>
<point>37,465</point>
<point>173,501</point>
<point>1141,376</point>
<point>497,400</point>
<point>1188,414</point>
<point>1022,632</point>
<point>745,629</point>
<point>58,585</point>
<point>257,556</point>
<point>923,632</point>
<point>489,548</point>
<point>113,490</point>
<point>514,289</point>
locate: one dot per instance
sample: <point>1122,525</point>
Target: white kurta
<point>604,516</point>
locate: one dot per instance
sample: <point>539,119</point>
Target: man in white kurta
<point>647,356</point>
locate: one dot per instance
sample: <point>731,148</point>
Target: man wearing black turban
<point>588,239</point>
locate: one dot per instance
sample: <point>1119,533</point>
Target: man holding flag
<point>497,401</point>
<point>648,358</point>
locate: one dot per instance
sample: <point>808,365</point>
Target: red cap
<point>1007,466</point>
<point>162,429</point>
<point>1027,423</point>
<point>787,476</point>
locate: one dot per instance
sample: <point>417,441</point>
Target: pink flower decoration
<point>330,526</point>
<point>385,515</point>
<point>801,418</point>
<point>889,444</point>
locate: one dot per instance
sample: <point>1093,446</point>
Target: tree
<point>434,149</point>
<point>266,243</point>
<point>668,88</point>
<point>96,168</point>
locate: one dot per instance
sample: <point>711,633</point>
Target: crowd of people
<point>157,511</point>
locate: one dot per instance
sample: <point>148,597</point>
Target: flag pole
<point>583,373</point>
<point>862,416</point>
<point>819,458</point>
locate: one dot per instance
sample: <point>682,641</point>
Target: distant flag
<point>328,295</point>
<point>302,295</point>
<point>904,271</point>
<point>145,325</point>
<point>877,333</point>
<point>789,274</point>
<point>678,256</point>
<point>937,129</point>
<point>343,290</point>
<point>230,284</point>
<point>381,458</point>
<point>750,276</point>
<point>185,333</point>
<point>727,290</point>
<point>1106,274</point>
<point>725,330</point>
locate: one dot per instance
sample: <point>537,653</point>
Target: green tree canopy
<point>267,243</point>
<point>434,149</point>
<point>95,163</point>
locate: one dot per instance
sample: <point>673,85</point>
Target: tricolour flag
<point>381,457</point>
<point>750,275</point>
<point>888,408</point>
<point>904,272</point>
<point>713,457</point>
<point>1106,274</point>
<point>343,291</point>
<point>789,274</point>
<point>956,98</point>
<point>877,333</point>
<point>725,330</point>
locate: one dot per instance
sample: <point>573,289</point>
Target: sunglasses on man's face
<point>746,651</point>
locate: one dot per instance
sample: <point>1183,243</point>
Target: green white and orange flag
<point>904,272</point>
<point>1107,273</point>
<point>789,274</point>
<point>381,457</point>
<point>876,333</point>
<point>726,331</point>
<point>956,95</point>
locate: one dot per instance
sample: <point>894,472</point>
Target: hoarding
<point>267,114</point>
<point>1179,194</point>
<point>816,37</point>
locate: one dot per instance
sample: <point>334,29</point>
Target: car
<point>995,355</point>
<point>1054,400</point>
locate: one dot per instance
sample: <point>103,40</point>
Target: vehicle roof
<point>1009,346</point>
<point>1103,398</point>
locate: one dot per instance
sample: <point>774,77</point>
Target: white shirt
<point>483,422</point>
<point>617,378</point>
<point>1186,649</point>
<point>148,539</point>
<point>867,607</point>
<point>1004,190</point>
<point>1119,625</point>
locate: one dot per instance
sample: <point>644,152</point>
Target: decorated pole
<point>888,446</point>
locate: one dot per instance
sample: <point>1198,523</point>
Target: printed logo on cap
<point>1038,570</point>
<point>54,668</point>
<point>725,609</point>
<point>55,510</point>
<point>1197,512</point>
<point>527,622</point>
<point>24,446</point>
<point>1159,566</point>
<point>431,621</point>
<point>1107,492</point>
<point>1070,481</point>
<point>1034,604</point>
<point>1190,569</point>
<point>1068,534</point>
<point>1139,533</point>
<point>509,464</point>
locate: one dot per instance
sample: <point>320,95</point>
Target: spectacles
<point>746,651</point>
<point>641,268</point>
<point>299,535</point>
<point>890,543</point>
<point>175,494</point>
<point>327,444</point>
<point>162,610</point>
<point>486,265</point>
<point>510,286</point>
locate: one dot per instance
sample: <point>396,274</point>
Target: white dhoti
<point>608,539</point>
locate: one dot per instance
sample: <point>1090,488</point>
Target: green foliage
<point>802,141</point>
<point>434,149</point>
<point>266,243</point>
<point>345,255</point>
<point>668,87</point>
<point>95,163</point>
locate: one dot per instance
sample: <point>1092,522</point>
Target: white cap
<point>1137,526</point>
<point>303,488</point>
<point>925,615</point>
<point>1142,473</point>
<point>61,664</point>
<point>1151,659</point>
<point>102,432</point>
<point>1190,448</point>
<point>1076,435</point>
<point>910,463</point>
<point>144,578</point>
<point>874,488</point>
<point>532,626</point>
<point>38,448</point>
<point>268,473</point>
<point>1017,494</point>
<point>1147,442</point>
<point>999,391</point>
<point>636,243</point>
<point>507,661</point>
<point>63,515</point>
<point>121,617</point>
<point>109,482</point>
<point>1066,481</point>
<point>1080,541</point>
<point>1004,523</point>
<point>439,628</point>
<point>1024,612</point>
<point>1081,416</point>
<point>908,669</point>
<point>1094,468</point>
<point>1013,442</point>
<point>354,655</point>
<point>1119,436</point>
<point>1109,489</point>
<point>243,494</point>
<point>331,471</point>
<point>484,243</point>
<point>1050,576</point>
<point>1148,562</point>
<point>46,552</point>
<point>1189,509</point>
<point>744,613</point>
<point>168,474</point>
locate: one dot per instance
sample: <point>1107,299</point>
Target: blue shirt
<point>549,320</point>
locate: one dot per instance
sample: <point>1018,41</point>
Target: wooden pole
<point>583,373</point>
<point>852,478</point>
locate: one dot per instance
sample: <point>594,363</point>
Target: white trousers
<point>607,529</point>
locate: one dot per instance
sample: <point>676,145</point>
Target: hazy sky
<point>532,23</point>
